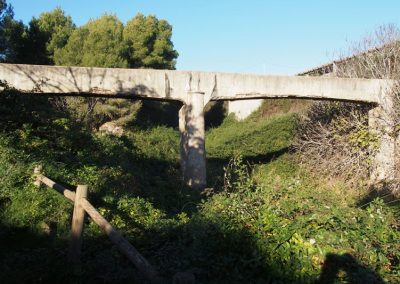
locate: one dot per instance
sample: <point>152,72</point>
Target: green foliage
<point>6,14</point>
<point>149,42</point>
<point>53,29</point>
<point>363,139</point>
<point>265,222</point>
<point>96,44</point>
<point>285,227</point>
<point>43,35</point>
<point>237,177</point>
<point>250,138</point>
<point>105,42</point>
<point>122,111</point>
<point>12,36</point>
<point>34,207</point>
<point>159,142</point>
<point>145,42</point>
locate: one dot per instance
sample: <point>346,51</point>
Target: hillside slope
<point>266,218</point>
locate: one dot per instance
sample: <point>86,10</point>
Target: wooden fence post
<point>77,225</point>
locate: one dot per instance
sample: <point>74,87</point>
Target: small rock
<point>111,128</point>
<point>46,228</point>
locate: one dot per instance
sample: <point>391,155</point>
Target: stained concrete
<point>194,171</point>
<point>175,85</point>
<point>382,123</point>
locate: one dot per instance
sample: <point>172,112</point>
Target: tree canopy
<point>53,38</point>
<point>53,30</point>
<point>98,43</point>
<point>33,43</point>
<point>145,42</point>
<point>5,12</point>
<point>149,42</point>
<point>11,33</point>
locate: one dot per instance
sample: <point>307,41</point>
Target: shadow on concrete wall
<point>156,113</point>
<point>215,113</point>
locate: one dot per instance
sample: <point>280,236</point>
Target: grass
<point>267,219</point>
<point>250,138</point>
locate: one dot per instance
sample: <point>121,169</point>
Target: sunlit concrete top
<point>176,85</point>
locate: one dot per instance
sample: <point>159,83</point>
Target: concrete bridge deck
<point>175,85</point>
<point>196,89</point>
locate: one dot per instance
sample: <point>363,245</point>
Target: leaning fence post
<point>77,225</point>
<point>37,173</point>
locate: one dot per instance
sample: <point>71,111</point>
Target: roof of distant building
<point>329,67</point>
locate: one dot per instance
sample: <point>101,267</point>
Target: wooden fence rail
<point>82,205</point>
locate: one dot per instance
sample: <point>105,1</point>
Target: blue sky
<point>246,36</point>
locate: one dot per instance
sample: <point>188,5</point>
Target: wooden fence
<point>82,206</point>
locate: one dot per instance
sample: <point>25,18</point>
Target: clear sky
<point>247,36</point>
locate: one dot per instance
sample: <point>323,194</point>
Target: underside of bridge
<point>196,89</point>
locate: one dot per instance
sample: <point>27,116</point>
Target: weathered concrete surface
<point>193,154</point>
<point>184,139</point>
<point>243,109</point>
<point>106,82</point>
<point>382,123</point>
<point>174,85</point>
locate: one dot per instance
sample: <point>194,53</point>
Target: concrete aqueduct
<point>196,89</point>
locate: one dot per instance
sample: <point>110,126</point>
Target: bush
<point>335,136</point>
<point>286,229</point>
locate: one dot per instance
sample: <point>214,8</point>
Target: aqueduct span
<point>196,89</point>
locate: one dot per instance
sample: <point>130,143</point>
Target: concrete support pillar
<point>382,123</point>
<point>191,126</point>
<point>184,139</point>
